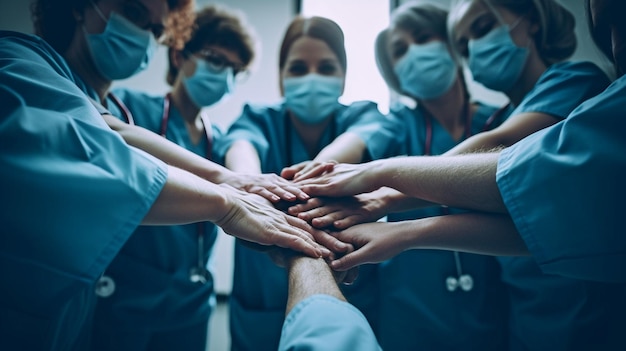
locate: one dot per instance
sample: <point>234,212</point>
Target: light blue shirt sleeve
<point>562,87</point>
<point>73,190</point>
<point>323,322</point>
<point>564,187</point>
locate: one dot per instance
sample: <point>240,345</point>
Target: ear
<point>176,58</point>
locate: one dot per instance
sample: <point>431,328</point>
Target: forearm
<point>467,181</point>
<point>242,157</point>
<point>482,142</point>
<point>346,148</point>
<point>186,198</point>
<point>168,151</point>
<point>396,201</point>
<point>481,233</point>
<point>310,276</point>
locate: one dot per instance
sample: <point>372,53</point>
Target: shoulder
<point>569,70</point>
<point>127,94</point>
<point>358,107</point>
<point>260,111</point>
<point>31,52</point>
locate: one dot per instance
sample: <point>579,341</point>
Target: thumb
<point>350,260</point>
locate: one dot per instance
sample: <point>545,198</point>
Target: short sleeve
<point>562,88</point>
<point>322,322</point>
<point>564,188</point>
<point>255,126</point>
<point>376,130</point>
<point>74,190</point>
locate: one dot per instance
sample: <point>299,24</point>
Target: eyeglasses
<point>220,62</point>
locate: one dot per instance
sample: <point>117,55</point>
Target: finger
<point>308,205</point>
<point>317,212</point>
<point>351,276</point>
<point>315,171</point>
<point>330,241</point>
<point>289,172</point>
<point>297,243</point>
<point>348,222</point>
<point>322,222</point>
<point>350,260</point>
<point>315,235</point>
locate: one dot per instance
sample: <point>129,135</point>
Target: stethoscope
<point>105,286</point>
<point>289,130</point>
<point>462,280</point>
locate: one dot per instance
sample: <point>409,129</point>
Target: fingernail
<point>304,196</point>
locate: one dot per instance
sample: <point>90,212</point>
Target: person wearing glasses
<point>310,124</point>
<point>73,190</point>
<point>158,291</point>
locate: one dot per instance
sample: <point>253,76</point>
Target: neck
<point>535,67</point>
<point>188,110</point>
<point>309,134</point>
<point>79,59</point>
<point>449,110</point>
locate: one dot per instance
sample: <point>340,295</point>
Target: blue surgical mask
<point>426,71</point>
<point>122,50</point>
<point>495,61</point>
<point>208,84</point>
<point>313,97</point>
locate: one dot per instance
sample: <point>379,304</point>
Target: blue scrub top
<point>416,311</point>
<point>323,322</point>
<point>73,191</point>
<point>153,291</point>
<point>259,295</point>
<point>576,314</point>
<point>579,232</point>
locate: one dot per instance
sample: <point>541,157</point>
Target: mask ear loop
<point>511,26</point>
<point>98,11</point>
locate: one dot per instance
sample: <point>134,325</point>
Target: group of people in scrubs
<point>114,196</point>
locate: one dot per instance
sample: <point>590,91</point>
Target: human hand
<point>307,169</point>
<point>336,180</point>
<point>340,213</point>
<point>285,258</point>
<point>270,186</point>
<point>373,243</point>
<point>252,218</point>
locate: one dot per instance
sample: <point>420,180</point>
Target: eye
<point>398,51</point>
<point>482,26</point>
<point>327,68</point>
<point>298,69</point>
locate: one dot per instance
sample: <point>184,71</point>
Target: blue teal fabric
<point>259,295</point>
<point>416,311</point>
<point>579,232</point>
<point>153,292</point>
<point>323,322</point>
<point>73,193</point>
<point>577,314</point>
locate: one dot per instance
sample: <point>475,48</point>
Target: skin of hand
<point>251,218</point>
<point>285,257</point>
<point>481,233</point>
<point>340,180</point>
<point>340,213</point>
<point>269,186</point>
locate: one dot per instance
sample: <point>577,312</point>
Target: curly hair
<point>54,21</point>
<point>219,26</point>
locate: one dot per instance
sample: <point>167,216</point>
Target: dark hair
<point>54,21</point>
<point>556,39</point>
<point>216,25</point>
<point>411,17</point>
<point>315,27</point>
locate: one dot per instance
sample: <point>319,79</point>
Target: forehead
<point>308,48</point>
<point>465,14</point>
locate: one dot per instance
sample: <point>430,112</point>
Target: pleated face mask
<point>495,60</point>
<point>208,84</point>
<point>122,49</point>
<point>312,97</point>
<point>426,71</point>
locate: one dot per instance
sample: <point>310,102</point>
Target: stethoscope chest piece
<point>105,286</point>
